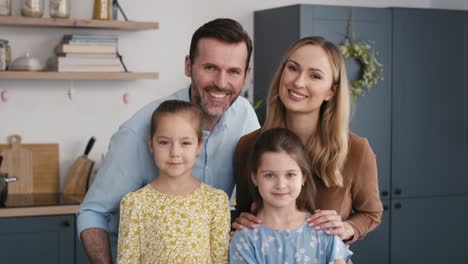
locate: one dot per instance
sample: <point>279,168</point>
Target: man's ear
<point>149,141</point>
<point>247,74</point>
<point>188,66</point>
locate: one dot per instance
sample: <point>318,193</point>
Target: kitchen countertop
<point>40,204</point>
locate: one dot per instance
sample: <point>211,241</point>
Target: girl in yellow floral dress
<point>175,218</point>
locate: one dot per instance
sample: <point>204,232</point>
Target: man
<point>218,65</point>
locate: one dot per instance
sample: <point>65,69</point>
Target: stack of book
<point>86,53</point>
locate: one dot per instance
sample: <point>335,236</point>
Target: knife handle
<point>89,146</point>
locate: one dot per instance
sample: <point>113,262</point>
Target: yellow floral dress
<point>164,228</point>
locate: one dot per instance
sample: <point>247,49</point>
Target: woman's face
<point>306,80</point>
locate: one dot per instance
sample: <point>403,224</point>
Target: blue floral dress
<point>303,245</point>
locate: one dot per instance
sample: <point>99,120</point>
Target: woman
<point>309,95</point>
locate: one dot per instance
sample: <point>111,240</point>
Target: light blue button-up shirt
<point>129,165</point>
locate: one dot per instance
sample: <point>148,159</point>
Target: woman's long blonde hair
<point>328,147</point>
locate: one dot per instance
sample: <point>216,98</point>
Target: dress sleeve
<point>219,228</point>
<point>241,251</point>
<point>129,239</point>
<point>335,249</point>
<point>366,199</point>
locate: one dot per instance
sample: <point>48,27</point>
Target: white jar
<point>5,7</point>
<point>59,8</point>
<point>32,8</point>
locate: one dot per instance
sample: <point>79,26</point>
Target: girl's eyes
<point>166,142</point>
<point>268,175</point>
<point>163,142</point>
<point>291,174</point>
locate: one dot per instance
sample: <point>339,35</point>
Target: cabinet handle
<point>397,191</point>
<point>66,223</point>
<point>397,205</point>
<point>384,193</point>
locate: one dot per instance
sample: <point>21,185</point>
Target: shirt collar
<point>183,94</point>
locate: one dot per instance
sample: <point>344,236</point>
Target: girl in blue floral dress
<point>284,192</point>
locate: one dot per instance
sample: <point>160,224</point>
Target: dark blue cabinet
<point>40,239</point>
<point>429,230</point>
<point>416,119</point>
<point>430,127</point>
<point>375,248</point>
<point>48,239</point>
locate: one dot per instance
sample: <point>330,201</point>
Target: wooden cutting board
<point>18,162</point>
<point>45,176</point>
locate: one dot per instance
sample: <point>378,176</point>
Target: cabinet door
<point>375,246</point>
<point>429,230</point>
<point>275,29</point>
<point>430,102</point>
<point>49,239</point>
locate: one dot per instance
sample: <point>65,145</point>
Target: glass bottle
<point>32,8</point>
<point>5,7</point>
<point>59,8</point>
<point>5,54</point>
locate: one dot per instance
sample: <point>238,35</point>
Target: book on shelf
<point>89,42</point>
<point>89,60</point>
<point>89,55</point>
<point>102,38</point>
<point>89,64</point>
<point>88,68</point>
<point>72,48</point>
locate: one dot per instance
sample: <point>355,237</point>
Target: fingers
<point>321,216</point>
<point>250,217</point>
<point>236,226</point>
<point>245,220</point>
<point>327,219</point>
<point>319,213</point>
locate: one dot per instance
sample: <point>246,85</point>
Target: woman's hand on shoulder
<point>330,219</point>
<point>245,220</point>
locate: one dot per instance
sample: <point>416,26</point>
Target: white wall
<point>41,112</point>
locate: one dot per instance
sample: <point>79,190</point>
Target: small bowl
<point>25,63</point>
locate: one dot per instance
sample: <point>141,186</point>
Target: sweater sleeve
<point>367,206</point>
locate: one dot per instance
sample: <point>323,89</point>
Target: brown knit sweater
<point>357,202</point>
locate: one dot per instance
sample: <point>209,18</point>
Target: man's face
<point>218,74</point>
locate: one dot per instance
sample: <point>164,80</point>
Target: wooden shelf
<point>76,23</point>
<point>43,75</point>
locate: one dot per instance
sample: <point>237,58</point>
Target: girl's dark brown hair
<point>282,140</point>
<point>174,107</point>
